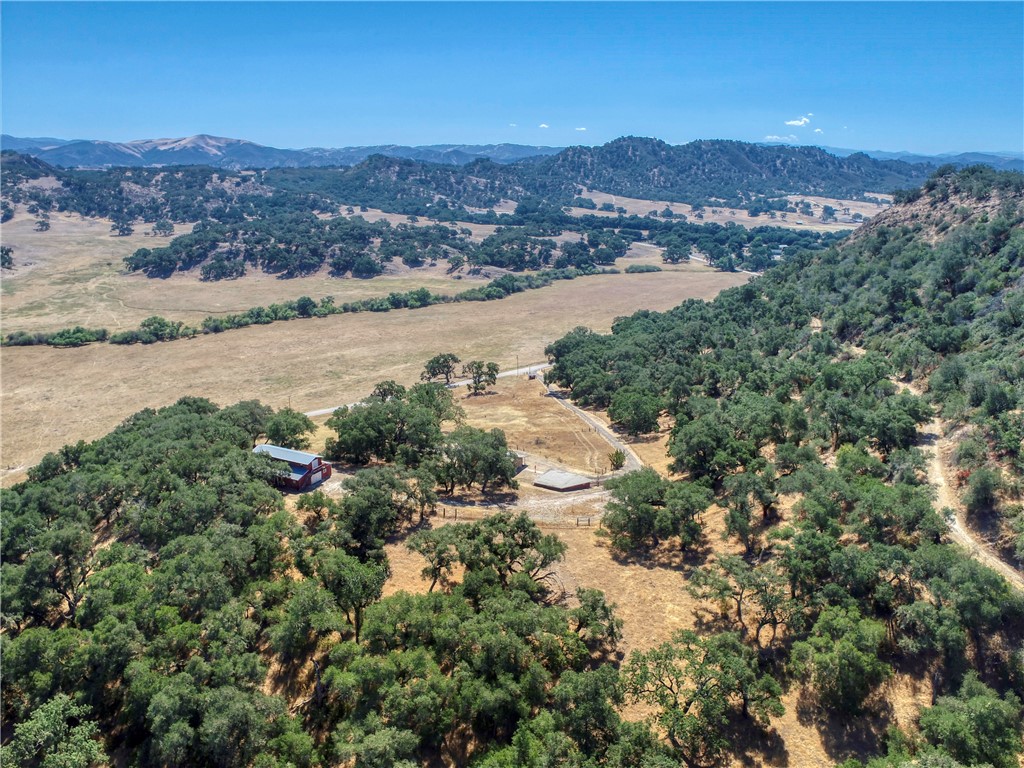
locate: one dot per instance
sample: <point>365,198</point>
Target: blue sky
<point>923,77</point>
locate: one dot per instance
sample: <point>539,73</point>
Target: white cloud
<point>818,130</point>
<point>581,129</point>
<point>810,114</point>
<point>800,121</point>
<point>513,125</point>
<point>543,125</point>
<point>791,137</point>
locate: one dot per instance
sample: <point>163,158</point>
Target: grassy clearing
<point>720,215</point>
<point>855,206</point>
<point>74,275</point>
<point>538,425</point>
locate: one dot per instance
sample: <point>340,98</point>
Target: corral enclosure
<point>538,425</point>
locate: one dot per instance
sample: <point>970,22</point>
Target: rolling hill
<point>731,173</point>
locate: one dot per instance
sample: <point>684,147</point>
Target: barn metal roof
<point>285,454</point>
<point>561,481</point>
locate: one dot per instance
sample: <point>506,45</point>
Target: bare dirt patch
<point>537,424</point>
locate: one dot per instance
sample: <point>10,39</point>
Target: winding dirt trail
<point>945,497</point>
<point>937,447</point>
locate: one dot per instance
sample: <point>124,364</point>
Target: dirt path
<point>632,460</point>
<point>938,449</point>
<point>946,497</point>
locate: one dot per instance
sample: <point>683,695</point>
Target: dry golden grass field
<point>538,424</point>
<point>479,231</point>
<point>855,206</point>
<point>74,275</point>
<point>54,396</point>
<point>721,215</point>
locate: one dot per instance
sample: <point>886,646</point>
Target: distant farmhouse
<point>303,470</point>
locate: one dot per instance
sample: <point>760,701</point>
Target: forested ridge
<point>797,390</point>
<point>701,172</point>
<point>732,171</point>
<point>286,221</point>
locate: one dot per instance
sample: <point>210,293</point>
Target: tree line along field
<point>252,224</point>
<point>84,286</point>
<point>74,275</point>
<point>310,363</point>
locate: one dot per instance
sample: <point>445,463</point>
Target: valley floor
<point>51,397</point>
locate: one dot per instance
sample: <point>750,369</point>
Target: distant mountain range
<point>1002,161</point>
<point>239,153</point>
<point>735,174</point>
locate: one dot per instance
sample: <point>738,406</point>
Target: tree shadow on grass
<point>291,678</point>
<point>665,556</point>
<point>488,503</point>
<point>754,745</point>
<point>707,620</point>
<point>646,439</point>
<point>844,736</point>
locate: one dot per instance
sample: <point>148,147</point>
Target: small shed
<point>303,470</point>
<point>557,480</point>
<point>518,460</point>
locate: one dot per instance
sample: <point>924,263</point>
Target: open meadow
<point>54,396</point>
<point>721,215</point>
<point>74,275</point>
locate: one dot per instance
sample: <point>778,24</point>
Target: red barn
<point>303,470</point>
